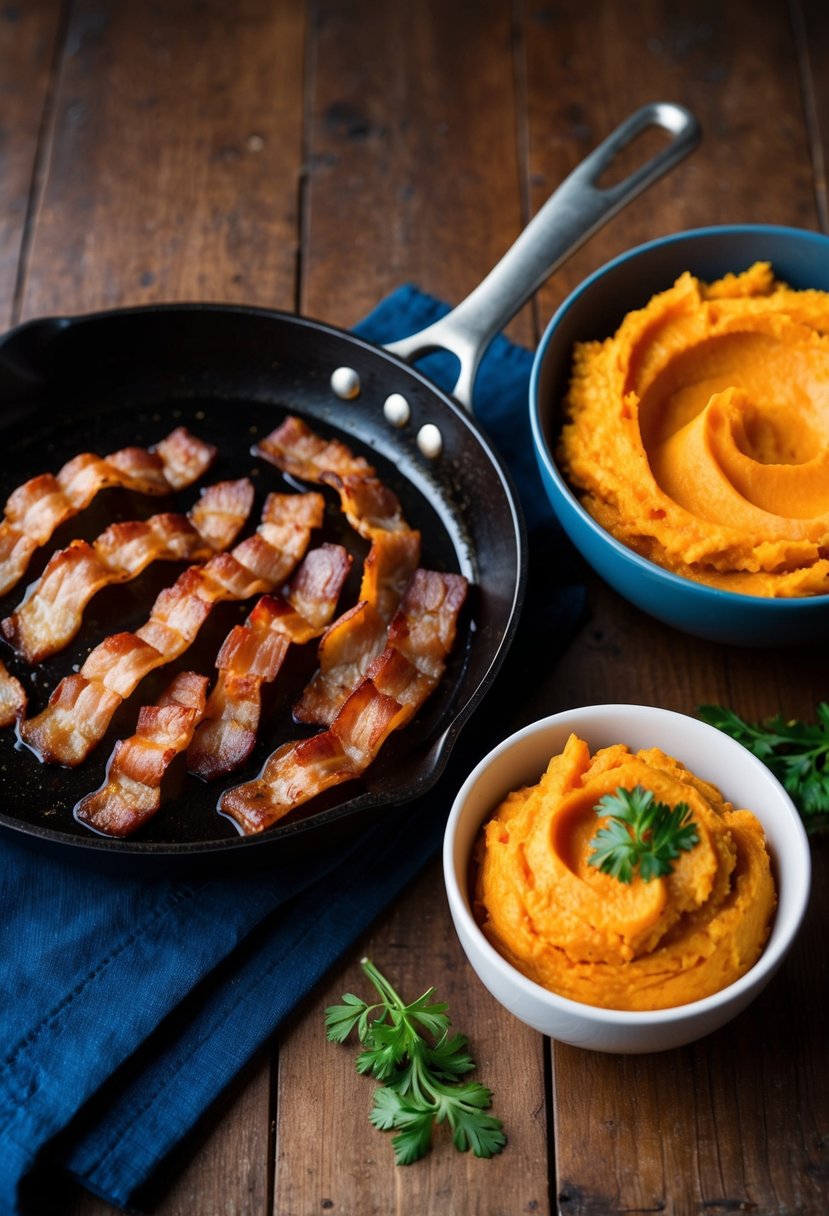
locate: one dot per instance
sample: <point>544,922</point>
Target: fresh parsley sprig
<point>409,1049</point>
<point>640,832</point>
<point>796,752</point>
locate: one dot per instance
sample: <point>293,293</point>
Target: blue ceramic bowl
<point>594,311</point>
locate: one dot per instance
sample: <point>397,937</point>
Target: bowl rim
<point>755,978</point>
<point>760,605</point>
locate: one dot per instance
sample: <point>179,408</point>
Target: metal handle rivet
<point>430,441</point>
<point>346,383</point>
<point>396,409</point>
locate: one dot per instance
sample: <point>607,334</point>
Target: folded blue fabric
<point>128,1005</point>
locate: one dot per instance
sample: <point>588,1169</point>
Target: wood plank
<point>413,171</point>
<point>28,34</point>
<point>414,174</point>
<point>173,170</point>
<point>174,158</point>
<point>348,1165</point>
<point>810,22</point>
<point>712,58</point>
<point>230,1162</point>
<point>413,177</point>
<point>679,1131</point>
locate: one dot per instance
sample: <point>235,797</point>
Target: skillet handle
<point>576,210</point>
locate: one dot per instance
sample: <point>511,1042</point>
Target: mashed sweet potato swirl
<point>588,936</point>
<point>698,435</point>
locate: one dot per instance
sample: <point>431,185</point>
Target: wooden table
<point>311,157</point>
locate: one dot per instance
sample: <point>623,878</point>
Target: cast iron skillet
<point>230,374</point>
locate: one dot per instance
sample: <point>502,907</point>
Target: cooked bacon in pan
<point>296,449</point>
<point>81,706</point>
<point>352,641</point>
<point>12,697</point>
<point>396,684</point>
<point>50,615</point>
<point>389,564</point>
<point>374,511</point>
<point>370,506</point>
<point>35,509</point>
<point>378,662</point>
<point>359,634</point>
<point>345,651</point>
<point>131,792</point>
<point>253,654</point>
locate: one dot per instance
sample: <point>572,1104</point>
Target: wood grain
<point>174,157</point>
<point>686,1115</point>
<point>172,170</point>
<point>711,57</point>
<point>228,1168</point>
<point>414,946</point>
<point>413,164</point>
<point>432,196</point>
<point>810,25</point>
<point>313,156</point>
<point>28,36</point>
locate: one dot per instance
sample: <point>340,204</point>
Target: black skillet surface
<point>128,377</point>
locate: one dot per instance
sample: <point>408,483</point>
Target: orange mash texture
<point>698,435</point>
<point>590,937</point>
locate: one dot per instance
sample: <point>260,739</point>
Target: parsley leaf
<point>410,1050</point>
<point>796,752</point>
<point>640,832</point>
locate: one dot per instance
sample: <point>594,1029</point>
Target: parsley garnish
<point>796,752</point>
<point>419,1071</point>
<point>641,832</point>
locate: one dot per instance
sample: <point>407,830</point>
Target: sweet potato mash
<point>588,936</point>
<point>698,435</point>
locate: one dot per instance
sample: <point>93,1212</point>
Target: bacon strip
<point>296,449</point>
<point>253,654</point>
<point>374,511</point>
<point>370,506</point>
<point>131,792</point>
<point>396,684</point>
<point>12,697</point>
<point>52,612</point>
<point>35,509</point>
<point>80,708</point>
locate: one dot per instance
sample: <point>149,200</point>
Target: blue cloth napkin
<point>127,1006</point>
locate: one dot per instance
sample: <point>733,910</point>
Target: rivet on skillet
<point>346,383</point>
<point>430,441</point>
<point>396,409</point>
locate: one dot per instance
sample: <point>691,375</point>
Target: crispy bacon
<point>374,511</point>
<point>78,713</point>
<point>424,629</point>
<point>389,564</point>
<point>345,651</point>
<point>369,505</point>
<point>51,614</point>
<point>12,697</point>
<point>396,684</point>
<point>131,792</point>
<point>296,449</point>
<point>35,509</point>
<point>184,458</point>
<point>62,734</point>
<point>299,771</point>
<point>253,654</point>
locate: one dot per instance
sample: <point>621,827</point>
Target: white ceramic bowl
<point>712,755</point>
